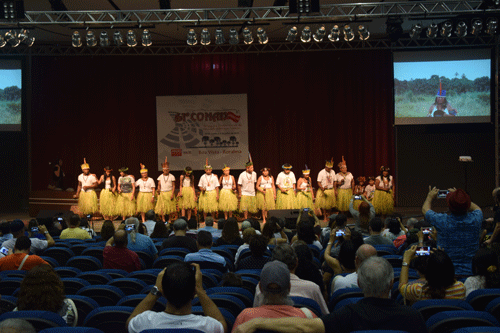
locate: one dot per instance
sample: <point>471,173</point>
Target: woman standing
<point>383,199</point>
<point>228,202</point>
<point>266,195</point>
<point>344,185</point>
<point>305,194</point>
<point>126,194</point>
<point>286,183</point>
<point>187,194</point>
<point>107,199</point>
<point>146,196</point>
<point>166,203</point>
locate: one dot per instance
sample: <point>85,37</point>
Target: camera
<point>130,227</point>
<point>340,233</point>
<point>423,251</point>
<point>4,250</point>
<point>442,194</point>
<point>426,231</point>
<point>357,197</point>
<point>34,229</point>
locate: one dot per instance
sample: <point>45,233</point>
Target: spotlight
<point>334,35</point>
<point>415,31</point>
<point>477,27</point>
<point>76,40</point>
<point>446,29</point>
<point>11,38</point>
<point>306,35</point>
<point>491,26</point>
<point>292,34</point>
<point>118,38</point>
<point>22,35</point>
<point>303,6</point>
<point>262,36</point>
<point>104,39</point>
<point>394,28</point>
<point>364,34</point>
<point>219,36</point>
<point>461,29</point>
<point>205,37</point>
<point>13,10</point>
<point>131,39</point>
<point>30,41</point>
<point>90,39</point>
<point>3,42</point>
<point>320,34</point>
<point>191,37</point>
<point>247,36</point>
<point>233,36</point>
<point>432,30</point>
<point>146,38</point>
<point>348,35</point>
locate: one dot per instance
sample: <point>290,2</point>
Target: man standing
<point>286,183</point>
<point>325,198</point>
<point>209,188</point>
<point>87,182</point>
<point>246,189</point>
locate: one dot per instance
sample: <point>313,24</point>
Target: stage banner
<point>191,128</point>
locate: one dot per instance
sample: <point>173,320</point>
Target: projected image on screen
<point>10,95</point>
<point>443,90</point>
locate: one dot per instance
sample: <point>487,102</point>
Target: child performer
<point>166,203</point>
<point>187,194</point>
<point>266,195</point>
<point>246,189</point>
<point>359,189</point>
<point>126,198</point>
<point>87,182</point>
<point>286,183</point>
<point>209,187</point>
<point>325,197</point>
<point>305,194</point>
<point>370,189</point>
<point>344,184</point>
<point>107,199</point>
<point>146,196</point>
<point>383,199</point>
<point>228,202</point>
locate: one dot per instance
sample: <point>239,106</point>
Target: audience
<point>138,241</point>
<point>307,268</point>
<point>247,233</point>
<point>15,325</point>
<point>230,234</point>
<point>271,228</point>
<point>364,252</point>
<point>192,226</point>
<point>37,245</point>
<point>118,256</point>
<point>161,230</point>
<point>5,233</point>
<point>150,221</point>
<point>204,243</point>
<point>20,259</point>
<point>209,226</point>
<point>179,239</point>
<point>84,225</point>
<point>141,229</point>
<point>73,231</point>
<point>305,232</point>
<point>33,230</point>
<point>107,230</point>
<point>375,230</point>
<point>486,270</point>
<point>364,214</point>
<point>395,229</point>
<point>257,259</point>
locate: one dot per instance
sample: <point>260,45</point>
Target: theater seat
<point>84,304</point>
<point>448,321</point>
<point>109,319</point>
<point>430,307</point>
<point>39,319</point>
<point>480,298</point>
<point>103,294</point>
<point>85,263</point>
<point>71,330</point>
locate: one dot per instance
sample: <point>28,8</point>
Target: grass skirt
<point>107,203</point>
<point>125,206</point>
<point>248,204</point>
<point>383,202</point>
<point>144,202</point>
<point>326,199</point>
<point>343,199</point>
<point>87,202</point>
<point>266,202</point>
<point>304,200</point>
<point>186,201</point>
<point>228,202</point>
<point>208,202</point>
<point>164,205</point>
<point>285,201</point>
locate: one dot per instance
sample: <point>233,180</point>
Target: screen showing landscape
<point>10,95</point>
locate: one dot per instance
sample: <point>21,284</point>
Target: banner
<point>192,128</point>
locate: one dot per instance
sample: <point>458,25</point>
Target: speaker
<point>289,215</point>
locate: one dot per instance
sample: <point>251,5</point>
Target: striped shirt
<point>415,292</point>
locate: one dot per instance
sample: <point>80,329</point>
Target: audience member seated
<point>271,228</point>
<point>150,221</point>
<point>364,252</point>
<point>395,228</point>
<point>180,239</point>
<point>363,215</point>
<point>37,245</point>
<point>375,230</point>
<point>411,238</point>
<point>5,233</point>
<point>299,287</point>
<point>209,226</point>
<point>204,243</point>
<point>179,283</point>
<point>43,290</point>
<point>410,224</point>
<point>20,259</point>
<point>15,325</point>
<point>107,230</point>
<point>256,225</point>
<point>307,268</point>
<point>118,256</point>
<point>33,230</point>
<point>345,261</point>
<point>84,224</point>
<point>161,230</point>
<point>247,233</point>
<point>458,232</point>
<point>192,226</point>
<point>56,225</point>
<point>141,229</point>
<point>486,270</point>
<point>230,234</point>
<point>73,231</point>
<point>305,229</point>
<point>439,280</point>
<point>137,241</point>
<point>275,289</point>
<point>230,279</point>
<point>256,260</point>
<point>376,311</point>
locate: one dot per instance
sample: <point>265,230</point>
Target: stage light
<point>90,39</point>
<point>205,37</point>
<point>415,31</point>
<point>432,30</point>
<point>364,34</point>
<point>12,39</point>
<point>131,39</point>
<point>306,35</point>
<point>247,36</point>
<point>491,26</point>
<point>118,38</point>
<point>219,36</point>
<point>30,41</point>
<point>191,37</point>
<point>477,27</point>
<point>461,29</point>
<point>262,36</point>
<point>292,34</point>
<point>22,35</point>
<point>104,39</point>
<point>233,36</point>
<point>334,35</point>
<point>394,28</point>
<point>348,35</point>
<point>303,6</point>
<point>13,10</point>
<point>446,29</point>
<point>320,34</point>
<point>146,38</point>
<point>76,40</point>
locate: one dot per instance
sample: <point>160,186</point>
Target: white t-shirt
<point>145,186</point>
<point>87,181</point>
<point>266,183</point>
<point>166,182</point>
<point>370,190</point>
<point>286,181</point>
<point>227,183</point>
<point>347,180</point>
<point>386,185</point>
<point>186,182</point>
<point>326,179</point>
<point>163,320</point>
<point>107,184</point>
<point>209,182</point>
<point>348,281</point>
<point>247,182</point>
<point>37,245</point>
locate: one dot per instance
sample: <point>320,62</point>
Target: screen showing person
<point>423,251</point>
<point>10,95</point>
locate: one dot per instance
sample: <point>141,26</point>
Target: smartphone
<point>130,227</point>
<point>59,219</point>
<point>340,233</point>
<point>4,250</point>
<point>306,209</point>
<point>89,216</point>
<point>357,197</point>
<point>442,194</point>
<point>34,229</point>
<point>426,231</point>
<point>423,251</point>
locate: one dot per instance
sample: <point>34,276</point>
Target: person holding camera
<point>74,231</point>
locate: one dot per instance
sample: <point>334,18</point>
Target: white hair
<point>16,325</point>
<point>135,222</point>
<point>375,276</point>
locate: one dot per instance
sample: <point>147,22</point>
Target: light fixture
<point>146,38</point>
<point>491,26</point>
<point>131,39</point>
<point>22,35</point>
<point>191,37</point>
<point>13,9</point>
<point>320,34</point>
<point>348,35</point>
<point>3,42</point>
<point>303,6</point>
<point>292,34</point>
<point>76,40</point>
<point>247,36</point>
<point>446,29</point>
<point>477,27</point>
<point>205,37</point>
<point>233,36</point>
<point>262,36</point>
<point>416,31</point>
<point>461,29</point>
<point>306,35</point>
<point>90,39</point>
<point>334,35</point>
<point>219,36</point>
<point>104,39</point>
<point>364,34</point>
<point>118,38</point>
<point>431,31</point>
<point>11,38</point>
<point>30,41</point>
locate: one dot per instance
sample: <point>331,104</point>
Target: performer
<point>359,190</point>
<point>305,194</point>
<point>325,197</point>
<point>209,187</point>
<point>187,194</point>
<point>107,199</point>
<point>441,107</point>
<point>166,204</point>
<point>126,194</point>
<point>146,196</point>
<point>344,184</point>
<point>228,202</point>
<point>286,184</point>
<point>246,189</point>
<point>266,195</point>
<point>370,189</point>
<point>87,182</point>
<point>383,199</point>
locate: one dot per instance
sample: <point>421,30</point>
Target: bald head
<point>121,238</point>
<point>364,252</point>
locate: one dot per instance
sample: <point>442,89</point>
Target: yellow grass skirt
<point>125,206</point>
<point>228,202</point>
<point>248,204</point>
<point>107,203</point>
<point>326,199</point>
<point>304,200</point>
<point>285,201</point>
<point>266,202</point>
<point>144,202</point>
<point>186,201</point>
<point>383,202</point>
<point>208,202</point>
<point>343,199</point>
<point>87,202</point>
<point>164,204</point>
